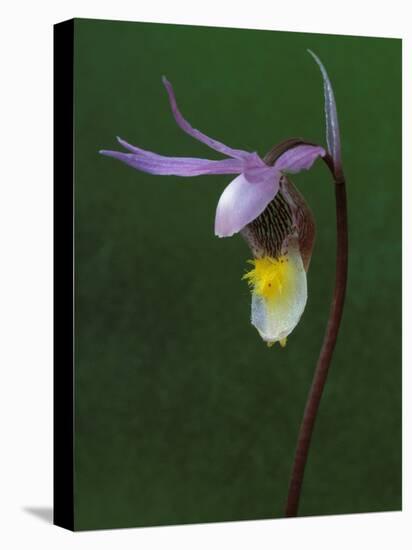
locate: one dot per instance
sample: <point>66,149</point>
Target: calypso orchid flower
<point>264,206</point>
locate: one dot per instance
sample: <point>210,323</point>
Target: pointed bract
<point>332,124</point>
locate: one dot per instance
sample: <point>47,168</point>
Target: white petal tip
<point>270,341</point>
<point>223,235</point>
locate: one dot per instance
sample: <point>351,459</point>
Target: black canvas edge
<point>63,248</point>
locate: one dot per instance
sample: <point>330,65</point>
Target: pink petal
<point>186,127</point>
<point>299,158</point>
<point>241,202</point>
<point>152,163</point>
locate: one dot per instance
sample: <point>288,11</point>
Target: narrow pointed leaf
<point>332,125</point>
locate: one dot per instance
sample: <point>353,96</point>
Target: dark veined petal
<point>152,163</point>
<point>186,127</point>
<point>299,158</point>
<point>332,125</point>
<point>242,201</point>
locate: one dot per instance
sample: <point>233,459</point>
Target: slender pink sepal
<point>186,127</point>
<point>152,163</point>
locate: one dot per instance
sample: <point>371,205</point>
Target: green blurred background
<point>182,413</point>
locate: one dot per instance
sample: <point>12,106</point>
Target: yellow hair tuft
<point>270,277</point>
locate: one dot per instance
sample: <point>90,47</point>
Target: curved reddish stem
<point>331,334</point>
